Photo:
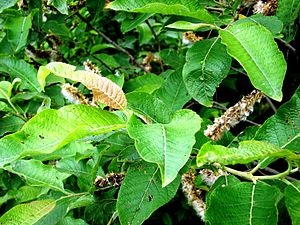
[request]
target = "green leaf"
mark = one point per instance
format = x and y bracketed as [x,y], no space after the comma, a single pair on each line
[52,129]
[149,106]
[141,193]
[129,23]
[168,145]
[18,68]
[29,193]
[243,203]
[186,8]
[18,30]
[283,128]
[173,91]
[292,201]
[59,212]
[38,174]
[4,90]
[146,83]
[60,5]
[145,34]
[7,4]
[10,124]
[11,148]
[71,221]
[185,25]
[207,64]
[272,23]
[253,47]
[287,12]
[27,214]
[245,153]
[172,58]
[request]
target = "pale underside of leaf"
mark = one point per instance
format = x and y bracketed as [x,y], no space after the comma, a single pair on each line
[104,90]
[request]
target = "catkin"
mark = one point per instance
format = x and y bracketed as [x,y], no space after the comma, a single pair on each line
[240,111]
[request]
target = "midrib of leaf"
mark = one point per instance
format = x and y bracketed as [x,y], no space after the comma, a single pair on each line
[255,63]
[176,94]
[252,204]
[24,77]
[290,141]
[165,150]
[146,190]
[40,181]
[21,32]
[204,62]
[296,188]
[4,94]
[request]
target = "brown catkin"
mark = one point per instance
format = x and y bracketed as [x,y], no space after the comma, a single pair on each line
[73,95]
[192,194]
[240,111]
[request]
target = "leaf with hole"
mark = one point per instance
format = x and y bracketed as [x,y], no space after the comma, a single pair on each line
[141,193]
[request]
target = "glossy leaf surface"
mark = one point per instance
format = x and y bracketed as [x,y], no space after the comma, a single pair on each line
[253,47]
[168,145]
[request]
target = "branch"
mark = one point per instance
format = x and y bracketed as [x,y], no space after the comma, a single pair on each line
[111,41]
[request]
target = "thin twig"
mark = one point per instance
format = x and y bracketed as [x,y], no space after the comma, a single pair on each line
[271,104]
[154,35]
[288,45]
[156,40]
[104,64]
[238,70]
[111,42]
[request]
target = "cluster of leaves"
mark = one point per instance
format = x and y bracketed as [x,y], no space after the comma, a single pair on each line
[150,106]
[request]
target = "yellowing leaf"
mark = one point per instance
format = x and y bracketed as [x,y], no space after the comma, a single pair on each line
[104,90]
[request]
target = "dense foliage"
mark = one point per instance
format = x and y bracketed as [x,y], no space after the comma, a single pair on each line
[154,112]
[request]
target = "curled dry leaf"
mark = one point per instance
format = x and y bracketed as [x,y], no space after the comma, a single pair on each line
[104,90]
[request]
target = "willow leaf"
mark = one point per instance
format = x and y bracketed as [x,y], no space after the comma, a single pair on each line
[253,46]
[104,90]
[207,64]
[292,201]
[27,214]
[168,145]
[283,128]
[194,9]
[52,129]
[141,193]
[38,174]
[7,4]
[245,153]
[243,203]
